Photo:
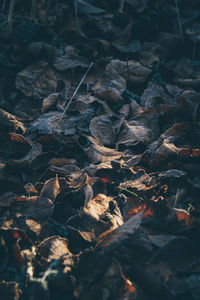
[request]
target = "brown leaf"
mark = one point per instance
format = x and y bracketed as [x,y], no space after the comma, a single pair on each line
[121,233]
[10,122]
[51,189]
[36,207]
[136,73]
[10,290]
[53,248]
[133,135]
[97,153]
[70,60]
[165,152]
[35,151]
[104,129]
[49,102]
[20,138]
[179,253]
[95,219]
[30,188]
[37,80]
[110,86]
[7,199]
[61,161]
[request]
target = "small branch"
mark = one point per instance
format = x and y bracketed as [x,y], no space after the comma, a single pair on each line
[179,20]
[4,5]
[10,17]
[33,11]
[74,94]
[121,5]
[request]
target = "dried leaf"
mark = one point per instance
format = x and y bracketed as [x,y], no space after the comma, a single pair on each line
[35,151]
[136,73]
[70,61]
[97,153]
[61,161]
[131,136]
[53,248]
[37,80]
[121,233]
[104,129]
[10,290]
[179,253]
[50,189]
[20,139]
[36,207]
[49,102]
[7,199]
[10,122]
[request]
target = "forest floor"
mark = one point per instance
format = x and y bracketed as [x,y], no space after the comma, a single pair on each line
[100,150]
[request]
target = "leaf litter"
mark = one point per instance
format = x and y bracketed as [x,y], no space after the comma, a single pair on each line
[100,149]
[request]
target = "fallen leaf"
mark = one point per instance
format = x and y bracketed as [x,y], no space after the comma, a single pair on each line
[9,122]
[121,233]
[36,207]
[10,290]
[49,102]
[131,136]
[35,151]
[50,189]
[104,129]
[37,80]
[7,199]
[54,248]
[70,60]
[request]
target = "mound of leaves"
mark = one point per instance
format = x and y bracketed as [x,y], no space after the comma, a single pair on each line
[100,150]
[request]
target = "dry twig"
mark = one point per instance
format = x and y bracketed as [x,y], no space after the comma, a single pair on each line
[179,20]
[75,92]
[10,17]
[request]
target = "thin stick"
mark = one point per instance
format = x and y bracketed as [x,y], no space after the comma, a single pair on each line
[177,196]
[179,20]
[10,16]
[121,5]
[74,94]
[33,11]
[4,5]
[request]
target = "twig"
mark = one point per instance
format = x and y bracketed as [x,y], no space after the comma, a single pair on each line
[127,68]
[75,92]
[33,11]
[76,18]
[121,5]
[47,8]
[10,16]
[179,20]
[4,5]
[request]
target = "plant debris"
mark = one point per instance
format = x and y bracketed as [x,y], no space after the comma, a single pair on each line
[100,150]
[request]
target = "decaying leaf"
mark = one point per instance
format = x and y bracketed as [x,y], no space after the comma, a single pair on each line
[70,60]
[7,199]
[36,207]
[97,153]
[50,189]
[55,248]
[185,252]
[111,86]
[131,136]
[104,129]
[49,102]
[37,80]
[10,290]
[121,233]
[35,151]
[9,122]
